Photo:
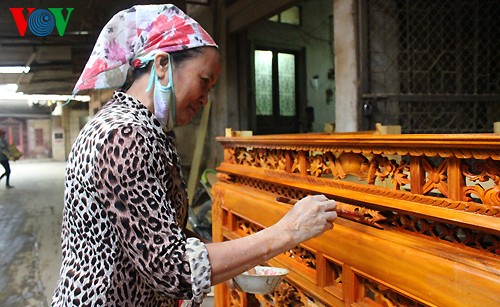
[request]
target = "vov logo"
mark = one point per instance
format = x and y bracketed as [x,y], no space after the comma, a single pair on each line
[41,22]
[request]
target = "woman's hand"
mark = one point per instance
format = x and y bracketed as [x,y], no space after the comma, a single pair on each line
[309,217]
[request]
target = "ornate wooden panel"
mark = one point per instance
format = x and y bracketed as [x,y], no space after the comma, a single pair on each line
[427,227]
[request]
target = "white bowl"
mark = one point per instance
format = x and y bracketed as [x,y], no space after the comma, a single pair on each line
[261,280]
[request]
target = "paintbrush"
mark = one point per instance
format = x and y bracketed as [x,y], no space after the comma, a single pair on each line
[340,211]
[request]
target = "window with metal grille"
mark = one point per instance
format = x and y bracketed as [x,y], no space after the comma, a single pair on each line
[432,66]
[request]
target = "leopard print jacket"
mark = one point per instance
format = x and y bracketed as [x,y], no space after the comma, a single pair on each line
[125,209]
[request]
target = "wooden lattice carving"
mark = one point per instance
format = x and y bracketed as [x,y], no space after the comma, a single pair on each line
[385,296]
[236,298]
[373,149]
[341,164]
[336,274]
[295,162]
[316,165]
[246,228]
[302,256]
[483,171]
[287,295]
[436,177]
[361,214]
[348,164]
[465,237]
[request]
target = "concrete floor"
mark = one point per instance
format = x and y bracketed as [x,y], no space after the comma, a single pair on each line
[30,227]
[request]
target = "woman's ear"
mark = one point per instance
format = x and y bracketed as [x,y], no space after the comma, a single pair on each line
[161,64]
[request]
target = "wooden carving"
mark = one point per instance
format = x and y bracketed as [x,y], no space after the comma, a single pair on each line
[349,164]
[436,177]
[485,171]
[418,222]
[287,295]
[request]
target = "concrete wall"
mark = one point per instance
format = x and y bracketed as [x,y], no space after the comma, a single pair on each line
[318,24]
[58,144]
[66,126]
[77,119]
[346,66]
[99,98]
[44,150]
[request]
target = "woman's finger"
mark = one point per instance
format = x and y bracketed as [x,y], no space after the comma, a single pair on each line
[331,216]
[319,197]
[328,226]
[330,205]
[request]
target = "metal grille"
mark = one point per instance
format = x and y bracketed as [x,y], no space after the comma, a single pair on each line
[448,116]
[422,54]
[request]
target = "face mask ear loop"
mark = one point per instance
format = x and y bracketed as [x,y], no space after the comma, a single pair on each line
[151,78]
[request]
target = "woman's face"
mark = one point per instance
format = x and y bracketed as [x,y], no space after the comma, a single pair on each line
[193,79]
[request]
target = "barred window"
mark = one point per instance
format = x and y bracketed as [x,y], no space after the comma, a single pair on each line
[433,64]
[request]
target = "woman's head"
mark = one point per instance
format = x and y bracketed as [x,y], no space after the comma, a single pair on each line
[178,57]
[150,33]
[194,72]
[134,34]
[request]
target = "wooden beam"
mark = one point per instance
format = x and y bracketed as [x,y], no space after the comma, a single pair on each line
[194,173]
[244,13]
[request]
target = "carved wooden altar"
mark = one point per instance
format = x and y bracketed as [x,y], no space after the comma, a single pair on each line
[427,232]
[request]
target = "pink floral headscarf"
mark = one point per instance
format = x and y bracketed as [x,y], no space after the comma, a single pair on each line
[134,33]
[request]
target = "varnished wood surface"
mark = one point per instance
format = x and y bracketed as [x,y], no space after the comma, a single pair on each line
[430,235]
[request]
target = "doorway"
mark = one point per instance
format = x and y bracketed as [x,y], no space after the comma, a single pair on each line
[277,90]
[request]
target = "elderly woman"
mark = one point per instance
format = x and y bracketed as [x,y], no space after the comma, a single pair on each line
[125,199]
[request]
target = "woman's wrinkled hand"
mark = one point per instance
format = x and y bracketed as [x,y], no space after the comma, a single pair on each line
[309,217]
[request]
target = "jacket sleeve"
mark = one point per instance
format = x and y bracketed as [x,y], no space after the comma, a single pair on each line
[128,169]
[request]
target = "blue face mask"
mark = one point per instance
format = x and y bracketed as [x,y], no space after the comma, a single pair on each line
[164,97]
